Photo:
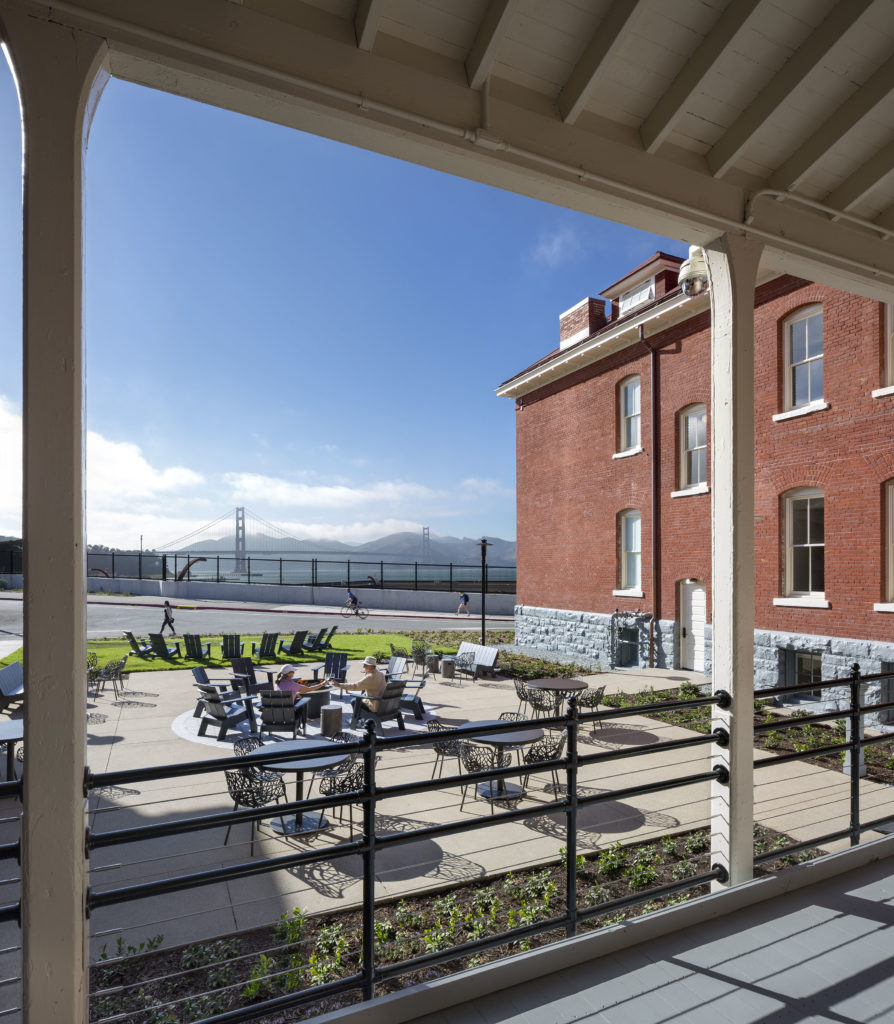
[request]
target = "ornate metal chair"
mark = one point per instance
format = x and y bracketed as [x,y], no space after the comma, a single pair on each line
[589,700]
[246,745]
[550,748]
[521,691]
[476,758]
[543,702]
[346,778]
[464,665]
[443,748]
[252,787]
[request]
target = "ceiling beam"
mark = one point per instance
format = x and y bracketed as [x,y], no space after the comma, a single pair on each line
[582,81]
[491,33]
[811,151]
[731,144]
[665,114]
[366,22]
[867,177]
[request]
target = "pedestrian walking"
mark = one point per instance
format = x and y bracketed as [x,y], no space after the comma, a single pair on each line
[463,605]
[169,620]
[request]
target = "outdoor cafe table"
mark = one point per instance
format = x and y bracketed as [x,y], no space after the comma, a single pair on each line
[503,740]
[11,730]
[557,686]
[301,824]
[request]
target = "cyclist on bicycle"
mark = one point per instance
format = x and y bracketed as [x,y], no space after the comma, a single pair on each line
[352,601]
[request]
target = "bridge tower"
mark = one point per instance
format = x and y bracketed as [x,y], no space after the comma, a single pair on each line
[240,539]
[426,545]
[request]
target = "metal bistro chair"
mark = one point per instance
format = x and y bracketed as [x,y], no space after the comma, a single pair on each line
[246,745]
[589,700]
[196,648]
[476,758]
[521,691]
[253,787]
[419,654]
[550,748]
[348,779]
[543,702]
[266,649]
[280,712]
[443,748]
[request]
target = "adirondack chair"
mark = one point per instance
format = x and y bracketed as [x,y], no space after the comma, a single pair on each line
[314,642]
[161,649]
[12,684]
[231,646]
[219,684]
[335,666]
[296,645]
[397,665]
[196,649]
[245,678]
[280,711]
[266,649]
[137,646]
[223,712]
[411,699]
[327,643]
[384,708]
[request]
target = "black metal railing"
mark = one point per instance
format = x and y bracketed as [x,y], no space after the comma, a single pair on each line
[371,843]
[10,562]
[308,572]
[853,712]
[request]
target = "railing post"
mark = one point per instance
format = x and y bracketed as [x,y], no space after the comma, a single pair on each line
[415,575]
[113,566]
[218,568]
[451,577]
[313,572]
[369,862]
[349,572]
[382,575]
[164,567]
[140,564]
[855,752]
[572,726]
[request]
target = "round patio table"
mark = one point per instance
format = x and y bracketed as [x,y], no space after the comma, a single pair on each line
[557,686]
[302,824]
[509,740]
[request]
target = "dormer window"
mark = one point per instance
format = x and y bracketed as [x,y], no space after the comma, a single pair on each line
[638,296]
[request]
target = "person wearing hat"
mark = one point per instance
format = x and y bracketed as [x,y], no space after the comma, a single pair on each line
[286,680]
[373,682]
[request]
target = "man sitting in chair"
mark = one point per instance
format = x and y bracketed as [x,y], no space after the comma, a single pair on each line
[373,682]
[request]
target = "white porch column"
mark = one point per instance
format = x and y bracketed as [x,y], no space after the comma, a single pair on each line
[56,69]
[732,262]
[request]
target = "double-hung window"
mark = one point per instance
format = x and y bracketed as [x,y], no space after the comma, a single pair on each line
[631,555]
[694,448]
[805,544]
[629,403]
[803,386]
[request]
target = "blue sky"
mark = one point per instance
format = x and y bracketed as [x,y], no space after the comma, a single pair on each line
[283,322]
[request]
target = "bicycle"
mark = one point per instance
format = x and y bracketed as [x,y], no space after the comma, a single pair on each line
[349,609]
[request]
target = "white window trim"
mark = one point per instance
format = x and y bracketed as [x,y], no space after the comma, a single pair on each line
[798,598]
[628,593]
[626,454]
[806,601]
[802,410]
[884,606]
[889,350]
[636,296]
[622,523]
[622,386]
[802,314]
[689,492]
[682,416]
[889,541]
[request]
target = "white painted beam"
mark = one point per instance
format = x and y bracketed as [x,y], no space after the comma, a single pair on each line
[735,140]
[866,178]
[811,151]
[366,22]
[732,263]
[660,122]
[491,33]
[606,39]
[59,72]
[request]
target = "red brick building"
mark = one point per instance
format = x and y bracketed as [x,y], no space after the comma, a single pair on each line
[613,434]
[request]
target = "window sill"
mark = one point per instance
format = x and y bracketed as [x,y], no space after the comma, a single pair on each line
[689,491]
[628,453]
[883,392]
[627,593]
[807,601]
[885,606]
[802,410]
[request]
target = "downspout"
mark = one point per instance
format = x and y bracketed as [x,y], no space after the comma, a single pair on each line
[656,493]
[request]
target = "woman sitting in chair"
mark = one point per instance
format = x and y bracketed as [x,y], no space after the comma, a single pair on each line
[286,680]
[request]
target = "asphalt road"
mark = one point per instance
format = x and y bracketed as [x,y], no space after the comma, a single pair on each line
[108,617]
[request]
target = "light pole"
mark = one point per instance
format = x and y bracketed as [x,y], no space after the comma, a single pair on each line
[485,544]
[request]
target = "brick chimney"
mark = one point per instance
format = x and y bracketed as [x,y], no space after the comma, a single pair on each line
[581,321]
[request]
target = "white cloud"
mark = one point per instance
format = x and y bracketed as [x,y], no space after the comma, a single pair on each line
[476,487]
[350,533]
[554,248]
[278,492]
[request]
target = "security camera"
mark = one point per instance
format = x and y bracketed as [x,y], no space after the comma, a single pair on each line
[693,276]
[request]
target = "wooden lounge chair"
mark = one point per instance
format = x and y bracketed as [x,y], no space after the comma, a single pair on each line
[314,641]
[383,708]
[244,676]
[280,711]
[411,699]
[161,649]
[223,713]
[196,649]
[327,643]
[222,685]
[231,646]
[296,646]
[265,650]
[12,684]
[137,646]
[335,666]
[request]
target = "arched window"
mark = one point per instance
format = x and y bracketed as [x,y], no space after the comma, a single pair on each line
[803,359]
[694,448]
[631,555]
[629,412]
